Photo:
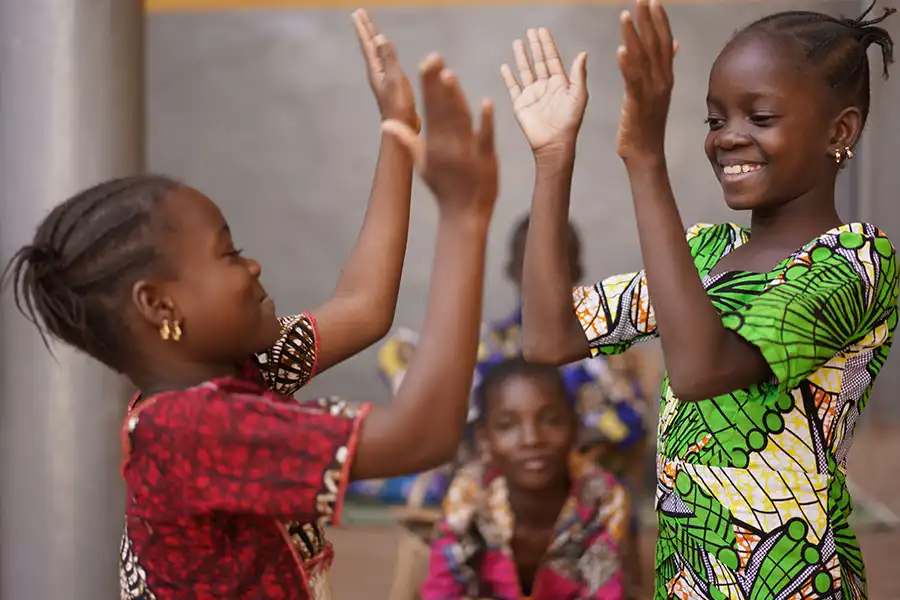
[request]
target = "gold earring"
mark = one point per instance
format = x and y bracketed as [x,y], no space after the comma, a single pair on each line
[848,152]
[176,331]
[164,331]
[837,156]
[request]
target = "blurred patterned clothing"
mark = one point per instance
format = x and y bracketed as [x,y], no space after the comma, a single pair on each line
[471,555]
[608,398]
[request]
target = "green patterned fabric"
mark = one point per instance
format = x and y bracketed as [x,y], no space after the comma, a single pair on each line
[752,496]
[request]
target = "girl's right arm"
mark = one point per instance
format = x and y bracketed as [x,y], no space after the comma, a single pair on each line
[422,427]
[549,106]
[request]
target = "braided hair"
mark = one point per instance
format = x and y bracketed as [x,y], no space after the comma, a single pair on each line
[86,254]
[836,46]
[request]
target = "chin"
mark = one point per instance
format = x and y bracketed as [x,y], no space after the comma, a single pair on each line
[742,202]
[269,333]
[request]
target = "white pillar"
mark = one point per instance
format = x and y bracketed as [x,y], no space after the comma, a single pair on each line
[71,114]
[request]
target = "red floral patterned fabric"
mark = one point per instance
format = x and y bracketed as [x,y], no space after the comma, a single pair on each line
[229,484]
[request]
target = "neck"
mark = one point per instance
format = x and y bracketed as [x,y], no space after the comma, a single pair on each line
[161,377]
[539,508]
[796,222]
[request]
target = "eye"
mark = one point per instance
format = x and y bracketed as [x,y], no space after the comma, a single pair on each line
[236,253]
[713,122]
[762,119]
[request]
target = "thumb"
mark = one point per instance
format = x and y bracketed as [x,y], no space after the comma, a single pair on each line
[404,134]
[578,71]
[486,131]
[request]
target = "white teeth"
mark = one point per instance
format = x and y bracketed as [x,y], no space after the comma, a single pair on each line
[738,169]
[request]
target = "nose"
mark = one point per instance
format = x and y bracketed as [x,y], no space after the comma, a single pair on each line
[530,435]
[254,267]
[731,136]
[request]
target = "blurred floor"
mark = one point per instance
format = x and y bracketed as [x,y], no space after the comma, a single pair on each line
[366,553]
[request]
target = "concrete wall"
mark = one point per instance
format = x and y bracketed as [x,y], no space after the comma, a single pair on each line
[270,114]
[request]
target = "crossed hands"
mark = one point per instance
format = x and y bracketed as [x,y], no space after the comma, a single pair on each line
[458,161]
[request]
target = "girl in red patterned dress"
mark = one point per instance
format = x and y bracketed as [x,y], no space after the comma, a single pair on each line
[230,480]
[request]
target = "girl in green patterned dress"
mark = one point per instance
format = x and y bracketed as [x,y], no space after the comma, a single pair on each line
[772,335]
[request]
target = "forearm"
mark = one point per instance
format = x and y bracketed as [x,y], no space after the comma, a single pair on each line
[691,332]
[371,276]
[551,333]
[422,427]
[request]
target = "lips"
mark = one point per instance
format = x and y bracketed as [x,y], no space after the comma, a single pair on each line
[535,464]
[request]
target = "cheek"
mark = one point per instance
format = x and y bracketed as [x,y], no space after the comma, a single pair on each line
[215,293]
[502,445]
[709,147]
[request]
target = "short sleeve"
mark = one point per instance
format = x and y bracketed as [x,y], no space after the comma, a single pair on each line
[206,450]
[291,362]
[617,313]
[837,291]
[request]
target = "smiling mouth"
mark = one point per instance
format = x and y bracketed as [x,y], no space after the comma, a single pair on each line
[735,170]
[535,464]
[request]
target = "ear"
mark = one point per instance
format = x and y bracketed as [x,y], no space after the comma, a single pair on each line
[153,304]
[846,129]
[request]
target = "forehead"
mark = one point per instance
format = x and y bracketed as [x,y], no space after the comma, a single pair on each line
[761,65]
[189,213]
[523,393]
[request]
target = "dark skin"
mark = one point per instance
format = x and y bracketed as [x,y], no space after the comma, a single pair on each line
[216,296]
[764,109]
[528,431]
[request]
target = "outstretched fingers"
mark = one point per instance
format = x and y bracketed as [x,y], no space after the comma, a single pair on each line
[509,80]
[550,53]
[365,34]
[526,75]
[632,57]
[667,45]
[537,54]
[648,36]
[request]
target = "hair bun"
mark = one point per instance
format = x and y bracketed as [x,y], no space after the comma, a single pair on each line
[44,259]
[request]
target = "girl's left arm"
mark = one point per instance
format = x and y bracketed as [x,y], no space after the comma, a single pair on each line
[703,358]
[361,310]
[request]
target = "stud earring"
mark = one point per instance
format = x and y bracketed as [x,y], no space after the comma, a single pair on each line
[849,152]
[837,156]
[176,331]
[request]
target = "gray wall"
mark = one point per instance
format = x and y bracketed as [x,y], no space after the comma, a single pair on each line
[270,114]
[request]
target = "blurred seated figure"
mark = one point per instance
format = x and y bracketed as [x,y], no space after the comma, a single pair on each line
[528,517]
[610,393]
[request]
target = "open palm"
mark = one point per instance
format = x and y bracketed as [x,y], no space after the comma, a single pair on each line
[548,103]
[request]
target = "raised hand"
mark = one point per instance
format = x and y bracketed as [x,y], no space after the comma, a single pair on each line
[389,84]
[548,104]
[456,161]
[646,64]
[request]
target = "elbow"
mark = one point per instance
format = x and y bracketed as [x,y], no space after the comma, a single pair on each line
[376,321]
[439,454]
[540,353]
